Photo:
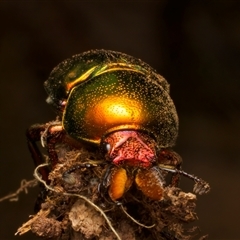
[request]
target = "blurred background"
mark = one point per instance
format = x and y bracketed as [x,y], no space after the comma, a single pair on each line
[195,45]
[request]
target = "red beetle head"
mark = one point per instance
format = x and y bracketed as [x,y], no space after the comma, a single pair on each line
[130,147]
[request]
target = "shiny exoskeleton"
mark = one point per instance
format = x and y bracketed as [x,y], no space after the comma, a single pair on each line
[121,105]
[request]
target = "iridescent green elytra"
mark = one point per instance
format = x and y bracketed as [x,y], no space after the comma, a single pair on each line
[100,91]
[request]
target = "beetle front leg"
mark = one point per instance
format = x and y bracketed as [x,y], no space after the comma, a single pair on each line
[33,135]
[66,174]
[171,159]
[200,187]
[49,134]
[53,134]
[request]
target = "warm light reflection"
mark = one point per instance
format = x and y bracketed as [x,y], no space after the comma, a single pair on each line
[115,110]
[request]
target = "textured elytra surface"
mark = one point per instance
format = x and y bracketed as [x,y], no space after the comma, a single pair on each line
[106,90]
[78,64]
[120,100]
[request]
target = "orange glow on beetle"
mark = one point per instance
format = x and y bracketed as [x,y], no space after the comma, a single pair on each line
[121,105]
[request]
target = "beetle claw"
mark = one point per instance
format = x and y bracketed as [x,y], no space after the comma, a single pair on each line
[201,187]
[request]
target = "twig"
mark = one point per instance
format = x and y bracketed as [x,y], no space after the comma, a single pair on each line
[134,220]
[23,187]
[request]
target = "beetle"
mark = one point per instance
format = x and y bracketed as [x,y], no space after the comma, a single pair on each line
[122,106]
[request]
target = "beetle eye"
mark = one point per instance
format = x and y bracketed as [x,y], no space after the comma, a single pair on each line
[106,147]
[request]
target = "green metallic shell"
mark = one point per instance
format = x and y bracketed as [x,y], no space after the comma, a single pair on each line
[107,91]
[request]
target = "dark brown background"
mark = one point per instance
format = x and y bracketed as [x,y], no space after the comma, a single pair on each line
[196,46]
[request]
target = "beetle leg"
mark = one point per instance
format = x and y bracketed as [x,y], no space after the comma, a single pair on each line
[54,135]
[76,167]
[150,182]
[200,186]
[33,135]
[51,133]
[171,159]
[102,187]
